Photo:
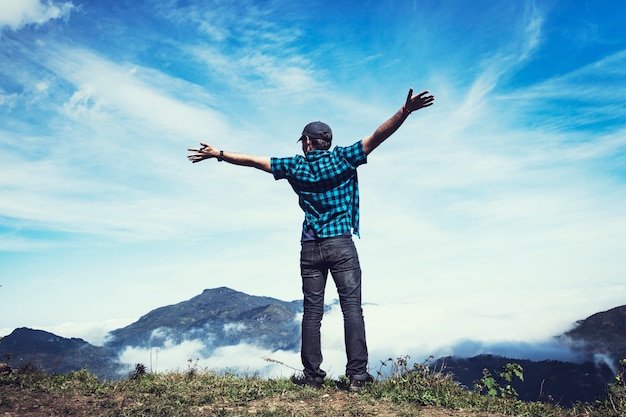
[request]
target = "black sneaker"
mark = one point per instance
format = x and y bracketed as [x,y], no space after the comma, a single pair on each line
[312,382]
[357,385]
[315,383]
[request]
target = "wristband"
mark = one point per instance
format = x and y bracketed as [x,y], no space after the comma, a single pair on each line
[220,158]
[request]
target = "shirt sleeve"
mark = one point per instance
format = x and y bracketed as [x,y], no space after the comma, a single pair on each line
[354,154]
[281,167]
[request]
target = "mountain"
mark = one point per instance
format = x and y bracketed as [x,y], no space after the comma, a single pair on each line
[51,353]
[602,333]
[601,340]
[217,317]
[556,382]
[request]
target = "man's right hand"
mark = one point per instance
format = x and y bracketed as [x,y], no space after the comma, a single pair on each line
[205,151]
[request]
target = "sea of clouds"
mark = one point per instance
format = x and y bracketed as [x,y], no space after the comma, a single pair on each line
[394,331]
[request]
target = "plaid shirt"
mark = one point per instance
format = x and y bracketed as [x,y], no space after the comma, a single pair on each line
[327,185]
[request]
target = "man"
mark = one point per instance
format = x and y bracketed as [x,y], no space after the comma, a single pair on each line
[327,186]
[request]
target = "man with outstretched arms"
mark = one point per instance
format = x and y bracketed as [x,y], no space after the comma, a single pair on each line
[327,186]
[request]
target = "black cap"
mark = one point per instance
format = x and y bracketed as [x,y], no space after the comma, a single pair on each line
[317,130]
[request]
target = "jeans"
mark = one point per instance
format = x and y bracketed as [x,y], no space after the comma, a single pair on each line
[339,256]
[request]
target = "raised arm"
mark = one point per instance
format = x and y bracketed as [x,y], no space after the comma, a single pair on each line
[421,100]
[206,151]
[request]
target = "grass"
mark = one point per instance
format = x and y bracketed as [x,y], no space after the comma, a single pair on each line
[418,391]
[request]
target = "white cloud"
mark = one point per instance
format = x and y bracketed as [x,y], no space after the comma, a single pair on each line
[241,359]
[18,13]
[249,359]
[169,358]
[8,100]
[119,122]
[135,95]
[233,328]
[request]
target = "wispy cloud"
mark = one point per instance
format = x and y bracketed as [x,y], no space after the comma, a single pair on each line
[16,14]
[588,96]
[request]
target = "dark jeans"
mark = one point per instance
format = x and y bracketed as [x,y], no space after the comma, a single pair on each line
[339,256]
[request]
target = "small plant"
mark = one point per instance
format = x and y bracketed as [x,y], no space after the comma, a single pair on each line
[192,368]
[140,372]
[502,386]
[270,360]
[420,384]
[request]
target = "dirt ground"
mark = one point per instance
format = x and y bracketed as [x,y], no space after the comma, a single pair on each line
[342,403]
[16,402]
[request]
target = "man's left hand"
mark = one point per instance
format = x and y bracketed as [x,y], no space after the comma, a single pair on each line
[423,99]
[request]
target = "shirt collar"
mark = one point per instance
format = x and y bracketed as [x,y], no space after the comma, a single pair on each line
[316,154]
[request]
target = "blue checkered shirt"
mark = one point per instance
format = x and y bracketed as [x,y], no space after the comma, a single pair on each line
[327,186]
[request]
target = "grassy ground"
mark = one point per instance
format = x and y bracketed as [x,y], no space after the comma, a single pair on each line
[423,392]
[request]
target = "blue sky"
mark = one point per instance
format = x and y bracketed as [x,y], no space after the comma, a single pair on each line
[496,215]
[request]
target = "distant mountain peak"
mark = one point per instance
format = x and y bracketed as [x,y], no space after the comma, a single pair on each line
[211,317]
[600,333]
[39,336]
[52,353]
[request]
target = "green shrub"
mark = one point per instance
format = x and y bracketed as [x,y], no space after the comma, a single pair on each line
[500,387]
